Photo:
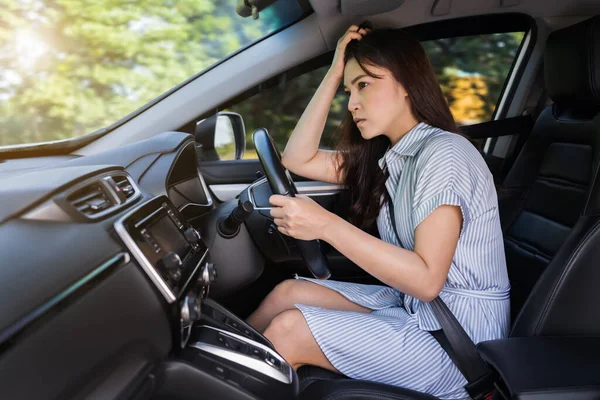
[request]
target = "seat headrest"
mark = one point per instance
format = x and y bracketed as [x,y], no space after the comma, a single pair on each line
[572,66]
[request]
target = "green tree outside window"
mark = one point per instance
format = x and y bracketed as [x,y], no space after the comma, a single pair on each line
[70,67]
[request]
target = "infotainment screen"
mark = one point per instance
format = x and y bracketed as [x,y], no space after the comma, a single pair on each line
[164,231]
[151,232]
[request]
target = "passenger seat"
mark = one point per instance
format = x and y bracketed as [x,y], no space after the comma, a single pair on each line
[546,190]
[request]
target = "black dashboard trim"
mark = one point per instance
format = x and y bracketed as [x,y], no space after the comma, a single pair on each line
[180,151]
[141,259]
[13,330]
[20,193]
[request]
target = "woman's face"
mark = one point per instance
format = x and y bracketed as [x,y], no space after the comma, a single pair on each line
[379,106]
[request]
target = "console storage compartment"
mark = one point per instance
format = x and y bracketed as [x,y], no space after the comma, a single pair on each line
[546,367]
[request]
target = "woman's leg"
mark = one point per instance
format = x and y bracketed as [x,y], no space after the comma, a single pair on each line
[296,291]
[303,349]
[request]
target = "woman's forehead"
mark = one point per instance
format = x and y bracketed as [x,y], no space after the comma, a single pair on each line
[352,70]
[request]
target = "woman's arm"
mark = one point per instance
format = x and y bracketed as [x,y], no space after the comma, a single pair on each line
[302,155]
[420,273]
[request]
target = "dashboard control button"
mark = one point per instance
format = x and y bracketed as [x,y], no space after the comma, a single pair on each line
[225,341]
[184,313]
[209,274]
[221,372]
[176,275]
[192,236]
[256,352]
[272,361]
[171,261]
[221,339]
[175,219]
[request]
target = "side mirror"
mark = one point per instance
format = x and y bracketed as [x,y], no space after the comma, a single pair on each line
[221,137]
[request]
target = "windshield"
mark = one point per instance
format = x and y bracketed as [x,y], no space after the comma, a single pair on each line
[71,67]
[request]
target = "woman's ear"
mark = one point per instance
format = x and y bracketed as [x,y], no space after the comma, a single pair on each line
[402,90]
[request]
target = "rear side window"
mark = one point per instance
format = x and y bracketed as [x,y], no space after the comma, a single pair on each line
[472,71]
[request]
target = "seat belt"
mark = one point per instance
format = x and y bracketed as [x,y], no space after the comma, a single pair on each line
[459,346]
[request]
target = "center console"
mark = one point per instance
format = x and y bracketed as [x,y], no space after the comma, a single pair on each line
[220,355]
[231,351]
[172,254]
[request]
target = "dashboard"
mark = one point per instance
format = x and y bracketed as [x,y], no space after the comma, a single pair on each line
[105,261]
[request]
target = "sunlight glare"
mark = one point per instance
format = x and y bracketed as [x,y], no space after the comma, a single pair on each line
[29,47]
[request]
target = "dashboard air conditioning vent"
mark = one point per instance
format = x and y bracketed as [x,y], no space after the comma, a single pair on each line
[125,186]
[91,200]
[100,196]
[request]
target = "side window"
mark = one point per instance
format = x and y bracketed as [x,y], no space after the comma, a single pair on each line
[471,70]
[279,108]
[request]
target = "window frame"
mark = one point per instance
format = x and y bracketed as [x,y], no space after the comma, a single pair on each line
[444,29]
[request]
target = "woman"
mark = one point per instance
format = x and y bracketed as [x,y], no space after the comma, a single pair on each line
[398,150]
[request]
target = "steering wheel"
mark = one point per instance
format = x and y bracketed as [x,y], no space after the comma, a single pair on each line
[281,183]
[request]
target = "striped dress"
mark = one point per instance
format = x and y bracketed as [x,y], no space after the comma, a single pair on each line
[427,168]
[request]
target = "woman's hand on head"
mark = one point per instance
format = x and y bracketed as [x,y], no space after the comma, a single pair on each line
[300,217]
[337,66]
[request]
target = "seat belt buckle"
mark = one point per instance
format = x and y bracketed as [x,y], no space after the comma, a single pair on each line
[483,387]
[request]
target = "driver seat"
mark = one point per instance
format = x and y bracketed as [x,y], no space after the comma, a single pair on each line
[561,298]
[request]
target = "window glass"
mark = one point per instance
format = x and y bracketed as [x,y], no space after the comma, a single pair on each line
[278,109]
[70,67]
[471,71]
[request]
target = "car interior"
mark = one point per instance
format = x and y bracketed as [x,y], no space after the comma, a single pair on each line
[130,257]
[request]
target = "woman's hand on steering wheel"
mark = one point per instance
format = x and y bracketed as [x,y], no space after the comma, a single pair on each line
[281,183]
[300,217]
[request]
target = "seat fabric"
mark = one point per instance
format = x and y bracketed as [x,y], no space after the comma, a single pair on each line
[350,389]
[547,189]
[550,210]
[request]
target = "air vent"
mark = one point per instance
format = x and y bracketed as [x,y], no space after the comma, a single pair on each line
[91,200]
[102,195]
[124,186]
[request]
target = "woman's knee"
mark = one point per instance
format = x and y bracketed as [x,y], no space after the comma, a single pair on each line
[283,295]
[284,326]
[302,349]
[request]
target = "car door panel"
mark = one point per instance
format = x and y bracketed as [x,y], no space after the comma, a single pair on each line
[230,171]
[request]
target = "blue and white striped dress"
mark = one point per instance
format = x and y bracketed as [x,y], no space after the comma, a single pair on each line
[427,168]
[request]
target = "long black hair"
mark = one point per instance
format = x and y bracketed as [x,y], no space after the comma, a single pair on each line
[401,54]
